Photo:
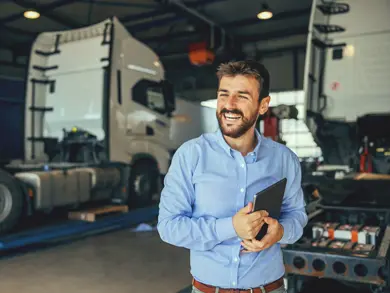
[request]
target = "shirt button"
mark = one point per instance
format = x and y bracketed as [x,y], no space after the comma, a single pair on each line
[242,165]
[234,283]
[235,259]
[242,189]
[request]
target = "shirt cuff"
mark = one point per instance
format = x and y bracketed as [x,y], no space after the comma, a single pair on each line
[287,230]
[225,229]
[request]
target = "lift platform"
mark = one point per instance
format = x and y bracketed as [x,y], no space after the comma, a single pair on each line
[74,229]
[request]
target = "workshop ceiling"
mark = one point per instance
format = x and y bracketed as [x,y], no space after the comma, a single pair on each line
[165,26]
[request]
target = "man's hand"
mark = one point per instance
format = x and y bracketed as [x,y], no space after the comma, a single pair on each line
[248,224]
[274,234]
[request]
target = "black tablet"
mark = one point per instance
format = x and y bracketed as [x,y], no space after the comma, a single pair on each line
[270,200]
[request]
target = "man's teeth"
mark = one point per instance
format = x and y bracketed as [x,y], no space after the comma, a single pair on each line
[232,116]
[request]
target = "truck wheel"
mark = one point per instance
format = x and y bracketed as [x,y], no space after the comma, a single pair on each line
[11,202]
[144,182]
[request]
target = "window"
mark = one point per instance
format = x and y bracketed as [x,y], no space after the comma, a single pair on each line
[157,96]
[295,132]
[155,99]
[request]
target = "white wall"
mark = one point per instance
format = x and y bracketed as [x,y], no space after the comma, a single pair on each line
[198,120]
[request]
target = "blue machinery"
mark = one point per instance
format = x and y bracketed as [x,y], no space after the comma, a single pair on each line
[75,229]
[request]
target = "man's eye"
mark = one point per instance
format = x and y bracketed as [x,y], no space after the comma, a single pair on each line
[243,97]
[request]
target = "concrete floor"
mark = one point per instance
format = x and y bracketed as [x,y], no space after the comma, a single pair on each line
[117,262]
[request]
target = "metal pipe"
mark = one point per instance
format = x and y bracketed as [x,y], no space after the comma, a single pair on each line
[192,11]
[195,13]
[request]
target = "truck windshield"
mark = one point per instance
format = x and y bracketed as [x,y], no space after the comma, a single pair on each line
[157,96]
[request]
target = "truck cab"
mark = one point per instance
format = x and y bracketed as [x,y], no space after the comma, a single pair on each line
[101,80]
[347,68]
[97,119]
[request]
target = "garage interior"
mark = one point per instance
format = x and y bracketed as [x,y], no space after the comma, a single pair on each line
[80,179]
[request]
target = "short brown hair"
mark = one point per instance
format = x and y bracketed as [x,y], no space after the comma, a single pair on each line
[248,68]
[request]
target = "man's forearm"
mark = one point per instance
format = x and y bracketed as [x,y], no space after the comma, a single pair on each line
[195,233]
[293,224]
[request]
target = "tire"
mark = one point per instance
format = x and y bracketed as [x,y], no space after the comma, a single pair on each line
[11,202]
[143,183]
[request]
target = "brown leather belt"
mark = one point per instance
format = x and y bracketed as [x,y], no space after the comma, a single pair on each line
[263,289]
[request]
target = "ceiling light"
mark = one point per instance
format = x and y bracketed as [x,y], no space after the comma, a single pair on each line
[265,13]
[31,14]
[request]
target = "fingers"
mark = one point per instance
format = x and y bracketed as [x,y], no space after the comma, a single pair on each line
[270,221]
[257,225]
[254,228]
[258,215]
[254,224]
[247,209]
[252,232]
[249,246]
[253,245]
[266,242]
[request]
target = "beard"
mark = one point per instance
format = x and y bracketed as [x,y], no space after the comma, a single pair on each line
[239,126]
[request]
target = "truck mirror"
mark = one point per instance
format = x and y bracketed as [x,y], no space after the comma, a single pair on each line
[169,95]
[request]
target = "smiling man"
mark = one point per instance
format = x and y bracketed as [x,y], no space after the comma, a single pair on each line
[206,203]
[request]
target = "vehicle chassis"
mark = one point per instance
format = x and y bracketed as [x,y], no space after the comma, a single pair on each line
[301,261]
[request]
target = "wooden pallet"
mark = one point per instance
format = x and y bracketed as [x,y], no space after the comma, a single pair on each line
[91,214]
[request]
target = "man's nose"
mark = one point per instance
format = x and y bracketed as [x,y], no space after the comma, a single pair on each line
[231,101]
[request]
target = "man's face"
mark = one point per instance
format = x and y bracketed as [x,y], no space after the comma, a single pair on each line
[238,105]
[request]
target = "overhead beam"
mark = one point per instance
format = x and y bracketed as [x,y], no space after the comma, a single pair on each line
[12,64]
[214,27]
[121,3]
[279,16]
[242,39]
[135,28]
[164,9]
[227,25]
[275,34]
[43,9]
[48,13]
[17,31]
[250,38]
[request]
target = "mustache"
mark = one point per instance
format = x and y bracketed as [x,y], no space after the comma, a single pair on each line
[232,111]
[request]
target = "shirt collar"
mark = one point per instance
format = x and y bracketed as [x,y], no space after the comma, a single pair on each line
[229,150]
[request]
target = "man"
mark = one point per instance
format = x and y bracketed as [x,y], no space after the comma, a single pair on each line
[206,203]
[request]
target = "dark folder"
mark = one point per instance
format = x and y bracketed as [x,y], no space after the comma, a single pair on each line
[270,200]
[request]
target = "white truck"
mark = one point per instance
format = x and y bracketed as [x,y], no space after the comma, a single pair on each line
[347,89]
[97,124]
[347,72]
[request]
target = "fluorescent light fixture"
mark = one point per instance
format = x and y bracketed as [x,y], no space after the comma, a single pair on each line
[265,13]
[31,14]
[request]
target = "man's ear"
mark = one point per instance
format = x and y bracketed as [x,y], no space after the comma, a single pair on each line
[264,105]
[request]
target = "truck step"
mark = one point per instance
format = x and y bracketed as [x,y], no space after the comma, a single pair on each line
[329,28]
[90,215]
[333,8]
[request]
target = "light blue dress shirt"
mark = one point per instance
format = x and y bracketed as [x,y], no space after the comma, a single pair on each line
[207,183]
